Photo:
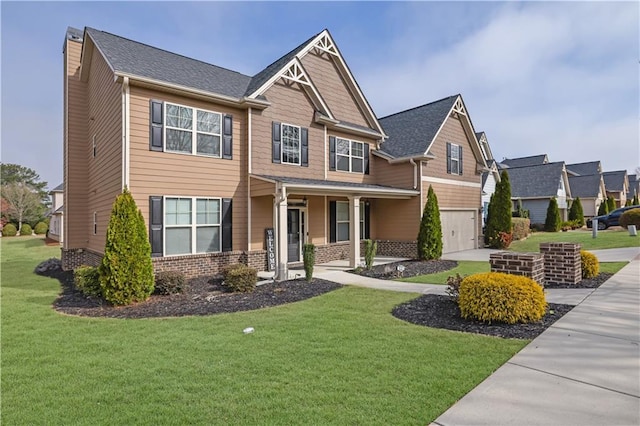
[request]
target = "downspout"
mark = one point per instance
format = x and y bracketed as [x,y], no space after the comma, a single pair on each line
[249,180]
[325,152]
[125,133]
[415,173]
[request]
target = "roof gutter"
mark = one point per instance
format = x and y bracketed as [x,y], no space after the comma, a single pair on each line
[393,160]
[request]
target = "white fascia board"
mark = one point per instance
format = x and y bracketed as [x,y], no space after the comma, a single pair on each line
[451,182]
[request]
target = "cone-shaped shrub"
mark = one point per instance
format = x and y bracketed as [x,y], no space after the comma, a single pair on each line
[553,221]
[576,213]
[430,234]
[126,272]
[635,200]
[611,204]
[499,218]
[603,209]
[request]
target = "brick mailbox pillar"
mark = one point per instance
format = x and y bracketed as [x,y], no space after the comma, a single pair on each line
[527,264]
[562,264]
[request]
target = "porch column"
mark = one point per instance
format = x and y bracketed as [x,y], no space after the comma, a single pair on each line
[281,236]
[354,231]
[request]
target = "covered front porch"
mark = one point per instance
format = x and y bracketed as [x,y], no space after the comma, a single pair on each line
[286,213]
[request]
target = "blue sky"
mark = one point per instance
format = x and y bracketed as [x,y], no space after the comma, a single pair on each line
[538,77]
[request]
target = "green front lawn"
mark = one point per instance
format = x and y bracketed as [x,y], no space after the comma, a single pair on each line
[464,268]
[334,359]
[614,238]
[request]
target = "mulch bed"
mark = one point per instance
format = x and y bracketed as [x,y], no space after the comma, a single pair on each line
[408,268]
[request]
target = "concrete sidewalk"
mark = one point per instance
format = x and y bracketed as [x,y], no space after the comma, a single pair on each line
[583,370]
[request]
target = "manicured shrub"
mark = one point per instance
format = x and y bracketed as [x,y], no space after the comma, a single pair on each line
[126,272]
[630,217]
[494,296]
[87,280]
[430,234]
[590,264]
[552,222]
[241,278]
[9,230]
[629,203]
[576,213]
[499,216]
[26,229]
[453,287]
[169,282]
[520,212]
[635,201]
[309,259]
[602,209]
[40,228]
[521,227]
[370,249]
[611,204]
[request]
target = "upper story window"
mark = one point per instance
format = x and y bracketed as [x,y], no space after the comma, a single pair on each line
[349,155]
[290,144]
[187,130]
[192,131]
[454,159]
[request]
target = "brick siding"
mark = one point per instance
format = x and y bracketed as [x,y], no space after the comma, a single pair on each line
[562,262]
[527,264]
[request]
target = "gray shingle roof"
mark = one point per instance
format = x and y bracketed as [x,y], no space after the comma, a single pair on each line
[588,168]
[325,183]
[534,160]
[587,186]
[539,181]
[412,131]
[59,188]
[139,59]
[614,181]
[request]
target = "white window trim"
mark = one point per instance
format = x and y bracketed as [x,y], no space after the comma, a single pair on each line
[282,144]
[194,132]
[193,225]
[457,159]
[350,156]
[348,222]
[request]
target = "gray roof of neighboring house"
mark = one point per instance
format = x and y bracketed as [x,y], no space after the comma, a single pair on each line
[534,160]
[59,188]
[539,181]
[412,131]
[587,186]
[588,168]
[139,59]
[614,181]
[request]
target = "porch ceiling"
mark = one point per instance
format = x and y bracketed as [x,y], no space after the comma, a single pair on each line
[335,188]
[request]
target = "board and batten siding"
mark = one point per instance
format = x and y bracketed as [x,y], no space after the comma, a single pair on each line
[332,87]
[155,173]
[75,150]
[105,169]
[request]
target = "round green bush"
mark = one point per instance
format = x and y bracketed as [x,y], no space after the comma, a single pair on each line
[590,264]
[26,229]
[41,228]
[494,296]
[9,230]
[630,217]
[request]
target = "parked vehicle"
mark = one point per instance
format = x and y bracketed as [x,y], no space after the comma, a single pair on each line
[611,219]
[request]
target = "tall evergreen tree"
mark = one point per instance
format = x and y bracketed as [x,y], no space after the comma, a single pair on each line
[430,234]
[553,221]
[635,200]
[499,217]
[611,204]
[576,212]
[603,209]
[126,271]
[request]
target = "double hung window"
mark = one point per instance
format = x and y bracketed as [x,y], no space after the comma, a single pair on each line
[290,144]
[349,155]
[342,221]
[192,131]
[192,225]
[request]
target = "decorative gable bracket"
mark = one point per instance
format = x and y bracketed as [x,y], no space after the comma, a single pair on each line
[458,107]
[296,74]
[325,44]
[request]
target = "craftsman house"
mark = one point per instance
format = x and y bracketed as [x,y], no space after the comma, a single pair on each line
[227,167]
[617,185]
[591,191]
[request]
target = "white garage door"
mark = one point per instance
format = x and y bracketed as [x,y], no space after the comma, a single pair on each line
[459,231]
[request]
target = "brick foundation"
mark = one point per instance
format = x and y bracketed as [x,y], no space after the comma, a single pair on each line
[74,258]
[562,263]
[526,264]
[408,249]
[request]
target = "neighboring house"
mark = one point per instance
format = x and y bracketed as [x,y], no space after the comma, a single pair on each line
[617,186]
[56,220]
[585,169]
[536,185]
[436,143]
[221,164]
[534,160]
[591,190]
[490,177]
[634,186]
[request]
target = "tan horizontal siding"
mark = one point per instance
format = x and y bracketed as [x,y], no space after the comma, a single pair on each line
[332,87]
[261,187]
[452,132]
[317,220]
[454,196]
[261,218]
[399,175]
[395,220]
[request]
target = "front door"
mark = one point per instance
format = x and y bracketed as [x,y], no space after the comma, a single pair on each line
[293,235]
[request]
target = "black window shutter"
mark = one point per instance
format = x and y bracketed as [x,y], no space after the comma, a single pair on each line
[367,221]
[366,158]
[332,222]
[460,160]
[155,130]
[227,137]
[332,153]
[448,157]
[304,147]
[276,142]
[155,225]
[227,229]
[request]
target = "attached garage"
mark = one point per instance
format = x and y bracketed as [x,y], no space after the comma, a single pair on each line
[459,230]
